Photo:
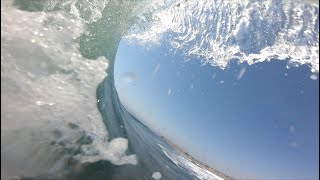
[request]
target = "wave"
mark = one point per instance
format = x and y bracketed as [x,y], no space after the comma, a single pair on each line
[56,52]
[247,31]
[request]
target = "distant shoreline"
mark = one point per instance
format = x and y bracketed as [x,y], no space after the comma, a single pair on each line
[195,161]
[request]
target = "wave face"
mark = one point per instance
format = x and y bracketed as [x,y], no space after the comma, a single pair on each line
[55,53]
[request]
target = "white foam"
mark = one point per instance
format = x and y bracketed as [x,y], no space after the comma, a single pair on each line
[252,32]
[113,152]
[314,76]
[156,175]
[196,170]
[44,89]
[171,157]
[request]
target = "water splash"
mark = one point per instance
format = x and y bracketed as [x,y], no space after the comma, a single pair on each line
[250,31]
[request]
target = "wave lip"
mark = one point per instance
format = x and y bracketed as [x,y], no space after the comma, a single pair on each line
[249,31]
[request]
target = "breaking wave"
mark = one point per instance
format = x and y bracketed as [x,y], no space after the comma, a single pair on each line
[56,52]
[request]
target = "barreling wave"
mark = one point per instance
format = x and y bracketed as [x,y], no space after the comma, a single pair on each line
[56,53]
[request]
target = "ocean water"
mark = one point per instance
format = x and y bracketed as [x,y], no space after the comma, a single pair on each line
[61,117]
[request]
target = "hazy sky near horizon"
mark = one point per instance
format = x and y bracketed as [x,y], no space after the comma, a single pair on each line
[247,120]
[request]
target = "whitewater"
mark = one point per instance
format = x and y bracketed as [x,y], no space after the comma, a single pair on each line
[61,117]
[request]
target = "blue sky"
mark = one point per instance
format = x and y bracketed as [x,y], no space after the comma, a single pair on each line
[247,120]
